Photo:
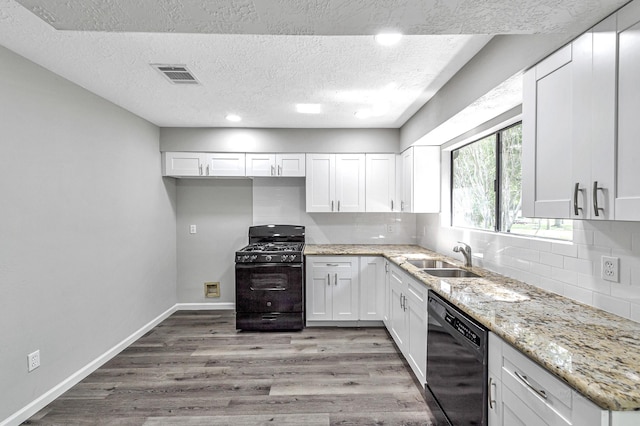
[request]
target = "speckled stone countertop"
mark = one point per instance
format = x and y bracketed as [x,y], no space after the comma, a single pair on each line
[595,352]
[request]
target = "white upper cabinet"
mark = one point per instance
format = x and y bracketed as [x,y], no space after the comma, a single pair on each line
[627,198]
[225,164]
[547,137]
[281,165]
[183,164]
[420,180]
[335,183]
[580,126]
[380,183]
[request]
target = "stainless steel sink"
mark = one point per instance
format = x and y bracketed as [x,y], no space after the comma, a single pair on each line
[430,263]
[450,273]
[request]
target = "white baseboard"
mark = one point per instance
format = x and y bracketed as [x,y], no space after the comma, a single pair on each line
[355,323]
[41,402]
[214,306]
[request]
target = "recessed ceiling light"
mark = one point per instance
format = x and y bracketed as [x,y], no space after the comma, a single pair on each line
[387,39]
[309,108]
[233,117]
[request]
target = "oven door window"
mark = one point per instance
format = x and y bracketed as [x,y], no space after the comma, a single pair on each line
[269,288]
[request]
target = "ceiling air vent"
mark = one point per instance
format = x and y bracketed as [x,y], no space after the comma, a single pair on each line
[177,74]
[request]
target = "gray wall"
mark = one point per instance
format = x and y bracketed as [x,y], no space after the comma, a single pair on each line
[222,212]
[279,140]
[503,57]
[87,229]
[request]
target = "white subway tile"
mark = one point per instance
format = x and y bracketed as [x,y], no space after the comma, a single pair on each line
[593,253]
[552,285]
[592,283]
[612,304]
[569,277]
[630,293]
[582,266]
[635,312]
[541,269]
[564,249]
[552,259]
[582,236]
[619,237]
[523,253]
[579,294]
[540,245]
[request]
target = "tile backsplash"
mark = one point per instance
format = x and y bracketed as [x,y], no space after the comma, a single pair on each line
[283,200]
[572,269]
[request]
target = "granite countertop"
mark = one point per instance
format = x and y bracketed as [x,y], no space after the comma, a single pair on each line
[595,352]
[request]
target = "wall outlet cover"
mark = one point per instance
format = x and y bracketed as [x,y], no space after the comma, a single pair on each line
[611,269]
[33,360]
[212,289]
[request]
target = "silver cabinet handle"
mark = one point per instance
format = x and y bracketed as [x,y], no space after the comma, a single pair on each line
[332,205]
[596,209]
[386,266]
[524,380]
[207,170]
[338,205]
[492,400]
[329,279]
[200,169]
[391,205]
[401,206]
[279,170]
[335,279]
[273,170]
[332,264]
[576,209]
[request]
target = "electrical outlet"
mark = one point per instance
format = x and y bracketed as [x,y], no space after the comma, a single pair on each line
[390,229]
[192,229]
[33,360]
[610,268]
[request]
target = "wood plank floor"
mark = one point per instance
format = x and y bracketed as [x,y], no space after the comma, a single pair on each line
[196,369]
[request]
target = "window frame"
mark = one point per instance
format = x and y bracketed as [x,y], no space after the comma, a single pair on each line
[496,131]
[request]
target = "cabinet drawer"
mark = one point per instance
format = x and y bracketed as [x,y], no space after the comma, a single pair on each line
[549,397]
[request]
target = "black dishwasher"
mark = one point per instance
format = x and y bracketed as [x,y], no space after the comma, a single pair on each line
[456,365]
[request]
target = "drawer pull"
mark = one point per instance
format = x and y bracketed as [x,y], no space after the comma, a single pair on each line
[524,380]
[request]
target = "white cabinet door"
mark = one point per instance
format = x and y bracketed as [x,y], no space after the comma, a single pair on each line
[417,337]
[397,316]
[406,200]
[372,284]
[335,182]
[627,199]
[345,292]
[380,182]
[350,182]
[226,164]
[594,86]
[290,165]
[332,288]
[547,137]
[387,294]
[321,182]
[261,164]
[184,164]
[420,188]
[318,292]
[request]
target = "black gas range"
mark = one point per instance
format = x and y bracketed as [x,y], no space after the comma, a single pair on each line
[270,279]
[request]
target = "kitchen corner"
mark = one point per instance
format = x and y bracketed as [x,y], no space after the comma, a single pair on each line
[595,352]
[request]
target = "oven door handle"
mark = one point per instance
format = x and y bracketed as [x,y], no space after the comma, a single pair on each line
[268,289]
[267,265]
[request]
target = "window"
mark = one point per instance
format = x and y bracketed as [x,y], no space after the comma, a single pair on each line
[486,188]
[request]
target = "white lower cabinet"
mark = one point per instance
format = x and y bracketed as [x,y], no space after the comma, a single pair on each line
[408,319]
[372,281]
[523,393]
[332,288]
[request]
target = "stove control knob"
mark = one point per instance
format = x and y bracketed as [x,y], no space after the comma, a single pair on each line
[245,258]
[292,257]
[283,258]
[268,258]
[254,257]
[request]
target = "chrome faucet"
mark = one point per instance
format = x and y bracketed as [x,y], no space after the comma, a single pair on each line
[465,249]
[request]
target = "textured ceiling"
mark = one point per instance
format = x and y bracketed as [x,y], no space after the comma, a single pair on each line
[259,58]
